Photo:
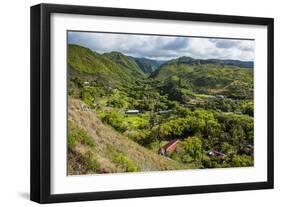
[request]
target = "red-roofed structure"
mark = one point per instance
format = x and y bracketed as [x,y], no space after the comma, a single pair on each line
[171,146]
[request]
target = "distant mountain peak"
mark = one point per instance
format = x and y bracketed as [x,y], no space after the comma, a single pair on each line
[185,58]
[114,53]
[148,65]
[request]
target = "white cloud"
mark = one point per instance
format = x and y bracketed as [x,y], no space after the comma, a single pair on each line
[165,47]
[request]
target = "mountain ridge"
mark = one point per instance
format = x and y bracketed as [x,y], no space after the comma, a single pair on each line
[191,60]
[101,68]
[142,65]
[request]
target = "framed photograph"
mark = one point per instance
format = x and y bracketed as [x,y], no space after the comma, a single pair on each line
[133,103]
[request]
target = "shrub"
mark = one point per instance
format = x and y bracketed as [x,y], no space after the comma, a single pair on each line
[89,162]
[76,134]
[115,120]
[192,149]
[88,95]
[125,163]
[242,161]
[117,103]
[82,162]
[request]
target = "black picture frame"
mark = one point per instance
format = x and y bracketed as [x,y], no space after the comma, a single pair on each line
[41,96]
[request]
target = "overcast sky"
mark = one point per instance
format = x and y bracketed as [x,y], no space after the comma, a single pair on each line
[164,47]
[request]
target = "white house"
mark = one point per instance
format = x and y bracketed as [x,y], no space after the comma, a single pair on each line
[132,112]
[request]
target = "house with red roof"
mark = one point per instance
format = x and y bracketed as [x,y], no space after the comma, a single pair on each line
[170,147]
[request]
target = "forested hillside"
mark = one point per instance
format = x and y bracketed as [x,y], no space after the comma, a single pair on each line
[119,109]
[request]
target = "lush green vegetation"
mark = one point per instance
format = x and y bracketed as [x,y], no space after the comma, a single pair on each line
[101,68]
[185,79]
[206,105]
[125,163]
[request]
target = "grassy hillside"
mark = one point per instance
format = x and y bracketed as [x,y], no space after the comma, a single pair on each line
[100,68]
[126,62]
[96,148]
[212,79]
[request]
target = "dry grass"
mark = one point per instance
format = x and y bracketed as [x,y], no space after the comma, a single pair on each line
[108,145]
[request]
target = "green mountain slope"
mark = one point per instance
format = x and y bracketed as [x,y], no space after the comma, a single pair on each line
[96,148]
[126,62]
[99,68]
[213,79]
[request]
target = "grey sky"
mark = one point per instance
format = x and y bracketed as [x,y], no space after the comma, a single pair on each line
[164,47]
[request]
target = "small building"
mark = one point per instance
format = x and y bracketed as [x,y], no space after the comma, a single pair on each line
[238,112]
[86,84]
[132,111]
[220,96]
[220,155]
[210,153]
[165,111]
[171,146]
[217,154]
[211,96]
[247,149]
